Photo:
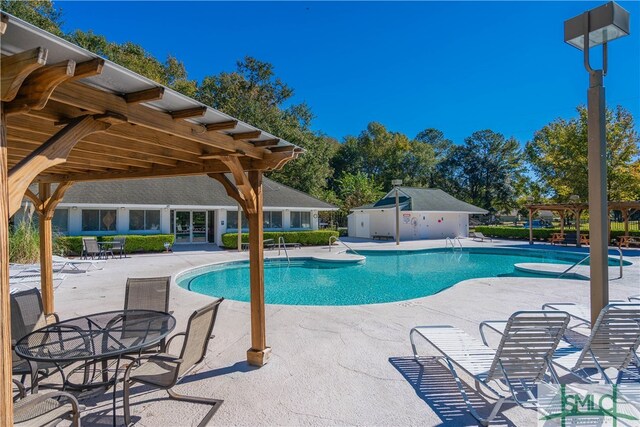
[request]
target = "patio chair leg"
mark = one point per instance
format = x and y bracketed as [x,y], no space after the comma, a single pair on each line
[125,402]
[207,401]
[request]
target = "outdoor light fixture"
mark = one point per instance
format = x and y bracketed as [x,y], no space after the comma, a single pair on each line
[600,25]
[604,23]
[397,183]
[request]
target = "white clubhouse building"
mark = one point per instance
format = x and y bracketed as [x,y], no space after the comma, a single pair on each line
[425,213]
[196,209]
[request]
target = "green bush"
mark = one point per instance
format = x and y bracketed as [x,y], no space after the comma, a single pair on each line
[305,238]
[134,243]
[24,243]
[522,233]
[143,243]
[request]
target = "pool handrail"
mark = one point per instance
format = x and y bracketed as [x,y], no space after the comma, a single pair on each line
[336,240]
[452,239]
[589,256]
[283,244]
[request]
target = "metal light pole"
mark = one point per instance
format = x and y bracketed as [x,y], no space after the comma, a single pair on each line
[592,28]
[397,183]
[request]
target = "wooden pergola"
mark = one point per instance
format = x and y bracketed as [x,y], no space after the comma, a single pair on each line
[562,209]
[67,115]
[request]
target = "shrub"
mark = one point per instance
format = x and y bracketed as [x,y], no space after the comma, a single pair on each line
[522,233]
[143,243]
[24,243]
[305,238]
[135,242]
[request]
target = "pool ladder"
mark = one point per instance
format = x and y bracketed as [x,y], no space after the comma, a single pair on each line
[589,256]
[333,239]
[448,240]
[283,245]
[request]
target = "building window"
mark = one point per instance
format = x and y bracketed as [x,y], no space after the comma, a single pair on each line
[60,221]
[272,219]
[144,220]
[300,219]
[232,220]
[99,219]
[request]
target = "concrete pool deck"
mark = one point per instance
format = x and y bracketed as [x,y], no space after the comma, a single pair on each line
[347,365]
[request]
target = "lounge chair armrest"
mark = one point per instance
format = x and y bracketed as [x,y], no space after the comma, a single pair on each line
[494,325]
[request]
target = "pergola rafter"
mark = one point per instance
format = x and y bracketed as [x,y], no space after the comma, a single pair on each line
[86,119]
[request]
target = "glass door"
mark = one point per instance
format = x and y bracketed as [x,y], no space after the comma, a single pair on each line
[199,224]
[183,227]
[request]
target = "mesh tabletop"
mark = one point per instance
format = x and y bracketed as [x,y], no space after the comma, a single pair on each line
[96,336]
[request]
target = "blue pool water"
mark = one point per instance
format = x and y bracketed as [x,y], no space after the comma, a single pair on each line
[384,277]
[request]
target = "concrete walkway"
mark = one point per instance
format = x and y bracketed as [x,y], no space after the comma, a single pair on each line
[346,365]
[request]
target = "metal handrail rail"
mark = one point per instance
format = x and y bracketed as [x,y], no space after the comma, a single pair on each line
[451,240]
[335,239]
[282,243]
[574,265]
[588,256]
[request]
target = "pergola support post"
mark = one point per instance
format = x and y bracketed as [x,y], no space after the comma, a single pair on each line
[259,353]
[46,252]
[6,386]
[239,228]
[562,213]
[247,192]
[45,204]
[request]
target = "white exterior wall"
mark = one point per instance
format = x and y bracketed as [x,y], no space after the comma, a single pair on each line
[414,225]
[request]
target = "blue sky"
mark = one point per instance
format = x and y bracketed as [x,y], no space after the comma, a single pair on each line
[455,66]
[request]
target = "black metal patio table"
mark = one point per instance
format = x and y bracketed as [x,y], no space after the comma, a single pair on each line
[95,338]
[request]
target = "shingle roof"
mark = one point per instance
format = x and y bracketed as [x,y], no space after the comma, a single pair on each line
[424,199]
[196,190]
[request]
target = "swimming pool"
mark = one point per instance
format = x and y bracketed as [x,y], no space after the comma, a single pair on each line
[386,276]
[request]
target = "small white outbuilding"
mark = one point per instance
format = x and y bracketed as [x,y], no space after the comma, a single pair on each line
[425,213]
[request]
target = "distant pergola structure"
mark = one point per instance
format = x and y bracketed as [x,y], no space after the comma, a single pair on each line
[562,209]
[67,115]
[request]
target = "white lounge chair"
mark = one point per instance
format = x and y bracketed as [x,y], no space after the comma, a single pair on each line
[478,235]
[520,362]
[60,263]
[580,313]
[613,343]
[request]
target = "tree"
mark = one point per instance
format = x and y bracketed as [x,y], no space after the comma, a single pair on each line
[255,95]
[488,168]
[442,148]
[41,13]
[558,156]
[383,156]
[172,73]
[358,189]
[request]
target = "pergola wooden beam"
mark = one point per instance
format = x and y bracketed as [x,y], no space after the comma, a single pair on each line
[37,88]
[53,152]
[188,113]
[267,143]
[227,125]
[89,68]
[97,101]
[16,68]
[147,95]
[240,136]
